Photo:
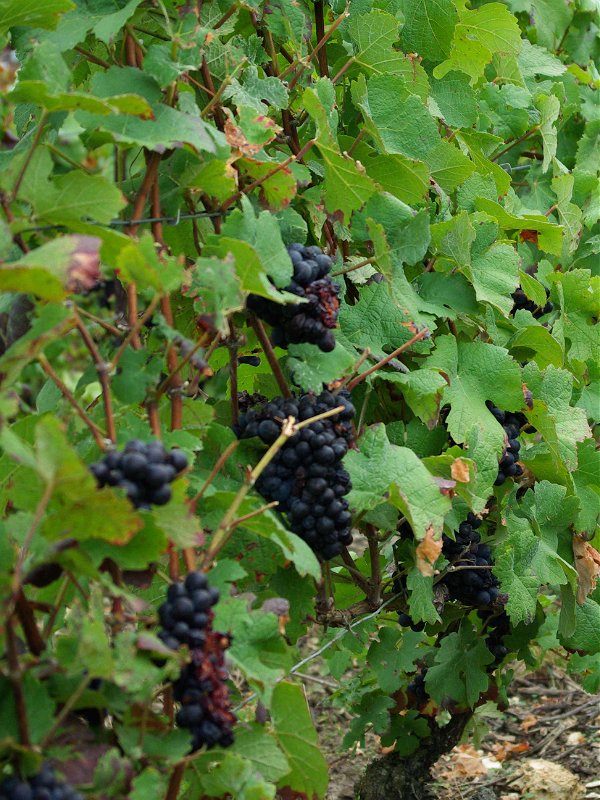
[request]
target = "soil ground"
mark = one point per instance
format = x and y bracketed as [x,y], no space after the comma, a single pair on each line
[550,717]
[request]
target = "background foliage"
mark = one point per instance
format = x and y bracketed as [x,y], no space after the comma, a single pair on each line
[449,147]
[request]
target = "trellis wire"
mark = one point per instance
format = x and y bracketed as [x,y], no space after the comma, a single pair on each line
[125,223]
[325,647]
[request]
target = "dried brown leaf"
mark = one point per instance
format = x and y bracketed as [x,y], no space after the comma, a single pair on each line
[428,551]
[587,564]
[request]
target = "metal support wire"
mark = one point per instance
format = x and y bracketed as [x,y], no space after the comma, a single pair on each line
[124,223]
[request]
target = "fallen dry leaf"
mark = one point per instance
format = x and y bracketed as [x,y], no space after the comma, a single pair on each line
[507,750]
[428,551]
[587,564]
[528,722]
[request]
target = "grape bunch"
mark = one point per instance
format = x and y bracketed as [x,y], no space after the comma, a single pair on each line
[184,615]
[473,587]
[312,319]
[417,693]
[143,469]
[512,424]
[186,619]
[521,301]
[306,476]
[43,786]
[498,627]
[202,691]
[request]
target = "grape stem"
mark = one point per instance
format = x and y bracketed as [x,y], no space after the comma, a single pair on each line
[262,337]
[357,576]
[102,370]
[15,678]
[359,378]
[289,428]
[231,447]
[134,331]
[96,432]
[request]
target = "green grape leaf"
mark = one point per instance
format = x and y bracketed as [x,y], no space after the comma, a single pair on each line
[391,655]
[428,28]
[347,187]
[379,468]
[374,35]
[459,670]
[478,35]
[32,14]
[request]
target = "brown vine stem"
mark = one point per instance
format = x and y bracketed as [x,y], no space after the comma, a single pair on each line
[133,332]
[363,375]
[343,70]
[175,782]
[10,217]
[320,32]
[15,678]
[262,337]
[247,189]
[103,323]
[96,432]
[233,380]
[91,57]
[102,368]
[216,98]
[353,370]
[35,643]
[321,43]
[229,450]
[357,576]
[289,428]
[32,149]
[510,145]
[252,514]
[180,365]
[374,594]
[360,264]
[217,110]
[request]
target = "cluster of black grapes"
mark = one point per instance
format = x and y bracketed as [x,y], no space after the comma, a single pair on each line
[312,319]
[498,627]
[202,691]
[185,613]
[416,691]
[143,469]
[521,301]
[186,619]
[471,586]
[306,476]
[43,786]
[512,424]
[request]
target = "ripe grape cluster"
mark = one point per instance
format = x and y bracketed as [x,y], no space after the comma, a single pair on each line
[498,627]
[43,786]
[312,319]
[521,301]
[202,691]
[473,587]
[143,469]
[512,424]
[306,476]
[186,619]
[185,614]
[417,693]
